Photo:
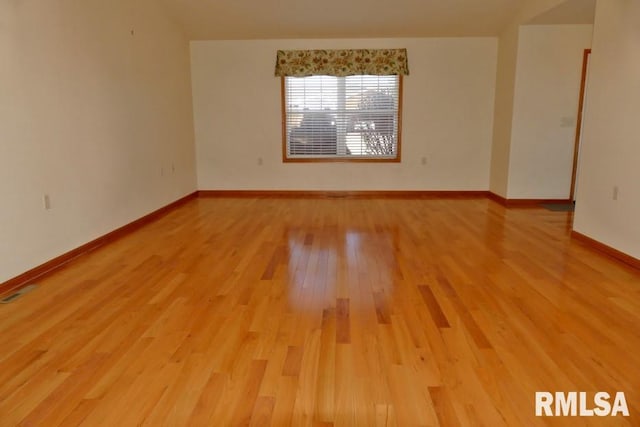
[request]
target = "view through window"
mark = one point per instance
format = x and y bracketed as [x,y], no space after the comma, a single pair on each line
[342,118]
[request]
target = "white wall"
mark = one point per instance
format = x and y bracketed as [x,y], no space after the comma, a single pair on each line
[505,92]
[611,141]
[448,118]
[503,113]
[532,8]
[89,114]
[547,88]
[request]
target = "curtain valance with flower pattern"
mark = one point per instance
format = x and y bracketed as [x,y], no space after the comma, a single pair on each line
[340,63]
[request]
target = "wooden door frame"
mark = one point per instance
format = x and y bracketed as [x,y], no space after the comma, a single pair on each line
[583,87]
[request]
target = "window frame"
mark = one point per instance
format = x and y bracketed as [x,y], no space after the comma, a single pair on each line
[339,159]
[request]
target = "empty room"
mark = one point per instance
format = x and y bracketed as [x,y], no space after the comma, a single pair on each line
[326,213]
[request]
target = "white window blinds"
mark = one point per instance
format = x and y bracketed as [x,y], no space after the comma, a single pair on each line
[353,117]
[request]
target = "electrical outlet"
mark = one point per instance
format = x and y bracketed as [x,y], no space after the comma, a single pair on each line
[46,202]
[616,191]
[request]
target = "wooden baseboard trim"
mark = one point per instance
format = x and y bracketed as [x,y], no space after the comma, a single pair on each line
[321,194]
[497,198]
[522,203]
[606,249]
[50,266]
[54,264]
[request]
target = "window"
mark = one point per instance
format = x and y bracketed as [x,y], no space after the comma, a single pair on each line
[341,105]
[342,118]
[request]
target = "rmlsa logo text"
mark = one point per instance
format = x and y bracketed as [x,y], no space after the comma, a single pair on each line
[578,404]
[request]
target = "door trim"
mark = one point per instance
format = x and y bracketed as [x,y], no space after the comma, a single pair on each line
[583,87]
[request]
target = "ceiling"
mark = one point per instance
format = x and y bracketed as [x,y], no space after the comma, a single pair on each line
[251,19]
[569,12]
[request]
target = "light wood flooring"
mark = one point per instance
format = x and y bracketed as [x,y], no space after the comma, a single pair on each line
[327,312]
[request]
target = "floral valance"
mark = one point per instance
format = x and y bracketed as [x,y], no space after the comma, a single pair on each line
[348,62]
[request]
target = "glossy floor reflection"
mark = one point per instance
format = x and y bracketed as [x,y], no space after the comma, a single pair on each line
[325,312]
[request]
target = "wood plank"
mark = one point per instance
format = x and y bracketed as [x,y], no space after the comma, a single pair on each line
[434,308]
[325,311]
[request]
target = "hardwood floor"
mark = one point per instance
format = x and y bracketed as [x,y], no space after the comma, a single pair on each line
[325,312]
